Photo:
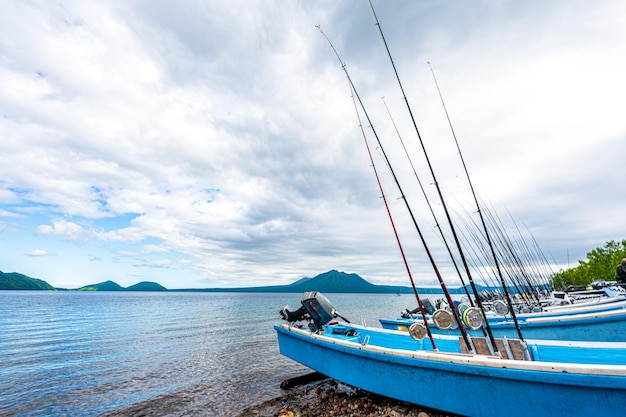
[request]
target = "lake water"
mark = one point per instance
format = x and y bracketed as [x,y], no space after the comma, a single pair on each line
[192,354]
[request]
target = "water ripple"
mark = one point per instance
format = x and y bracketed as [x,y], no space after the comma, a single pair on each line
[88,354]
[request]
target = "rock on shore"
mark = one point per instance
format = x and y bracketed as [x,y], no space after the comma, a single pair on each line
[329,398]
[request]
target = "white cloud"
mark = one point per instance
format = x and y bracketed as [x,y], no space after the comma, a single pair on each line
[161,263]
[68,230]
[37,252]
[222,138]
[6,213]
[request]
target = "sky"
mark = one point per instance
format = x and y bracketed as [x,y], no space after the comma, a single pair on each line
[203,144]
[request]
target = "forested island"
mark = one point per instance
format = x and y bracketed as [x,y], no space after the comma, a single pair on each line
[17,281]
[330,282]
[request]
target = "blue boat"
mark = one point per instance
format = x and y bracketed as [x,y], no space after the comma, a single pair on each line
[601,326]
[466,375]
[601,319]
[531,377]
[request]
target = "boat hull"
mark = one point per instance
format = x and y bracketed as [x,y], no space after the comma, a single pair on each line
[472,385]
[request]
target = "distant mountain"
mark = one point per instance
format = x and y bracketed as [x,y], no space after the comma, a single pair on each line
[146,286]
[301,280]
[15,281]
[330,282]
[113,286]
[340,282]
[103,286]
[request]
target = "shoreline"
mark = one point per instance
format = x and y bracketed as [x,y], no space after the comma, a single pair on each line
[319,398]
[331,398]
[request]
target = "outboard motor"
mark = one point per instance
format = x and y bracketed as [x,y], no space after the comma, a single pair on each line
[428,305]
[315,308]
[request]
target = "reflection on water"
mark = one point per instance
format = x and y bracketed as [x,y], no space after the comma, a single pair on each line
[92,353]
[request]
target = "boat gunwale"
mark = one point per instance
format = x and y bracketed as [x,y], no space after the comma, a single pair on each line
[602,315]
[582,305]
[578,317]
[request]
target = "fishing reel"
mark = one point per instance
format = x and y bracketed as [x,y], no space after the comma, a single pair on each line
[316,309]
[471,317]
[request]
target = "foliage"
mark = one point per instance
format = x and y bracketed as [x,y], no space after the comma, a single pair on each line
[599,266]
[146,286]
[103,286]
[15,281]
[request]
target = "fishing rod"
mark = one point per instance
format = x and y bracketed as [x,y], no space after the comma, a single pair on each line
[443,203]
[534,263]
[493,253]
[535,257]
[474,244]
[512,264]
[546,267]
[466,338]
[524,271]
[393,225]
[507,248]
[524,264]
[509,261]
[382,192]
[472,228]
[437,225]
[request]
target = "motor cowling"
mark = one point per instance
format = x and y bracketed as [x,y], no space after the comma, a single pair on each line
[316,308]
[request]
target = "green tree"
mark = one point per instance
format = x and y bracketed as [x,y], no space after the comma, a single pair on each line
[600,265]
[16,281]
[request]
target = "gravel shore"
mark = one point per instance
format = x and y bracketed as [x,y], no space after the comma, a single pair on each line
[330,398]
